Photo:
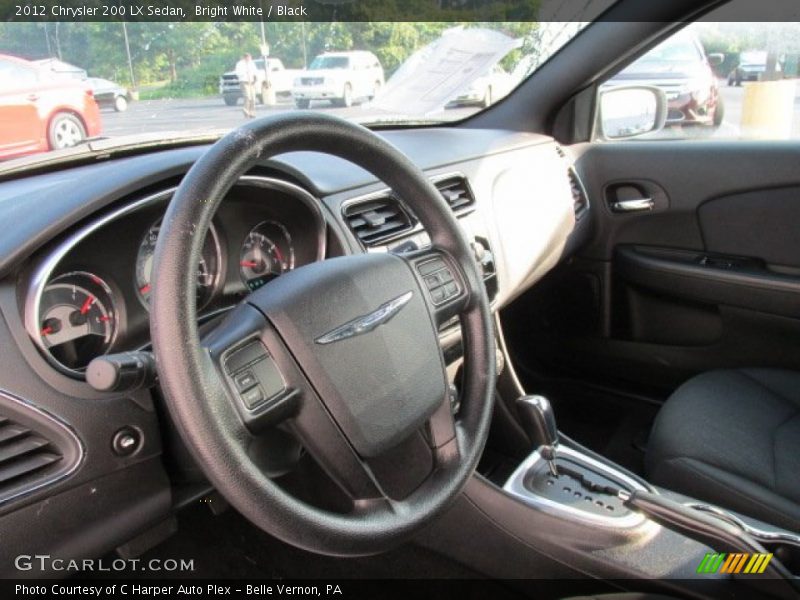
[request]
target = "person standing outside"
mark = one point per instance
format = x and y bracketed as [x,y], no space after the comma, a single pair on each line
[246,73]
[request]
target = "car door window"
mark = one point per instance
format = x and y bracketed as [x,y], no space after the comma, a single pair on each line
[723,80]
[16,76]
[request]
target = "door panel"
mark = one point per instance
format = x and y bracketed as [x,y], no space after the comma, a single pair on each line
[708,277]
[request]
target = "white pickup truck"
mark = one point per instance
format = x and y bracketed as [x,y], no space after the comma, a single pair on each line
[270,73]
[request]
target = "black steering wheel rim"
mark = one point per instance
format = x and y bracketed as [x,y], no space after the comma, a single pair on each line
[192,385]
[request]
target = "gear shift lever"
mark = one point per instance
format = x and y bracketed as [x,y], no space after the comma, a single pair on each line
[540,425]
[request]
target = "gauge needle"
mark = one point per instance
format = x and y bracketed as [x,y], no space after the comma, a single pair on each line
[87,304]
[144,289]
[248,263]
[47,330]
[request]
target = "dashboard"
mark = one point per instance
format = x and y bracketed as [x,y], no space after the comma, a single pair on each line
[76,278]
[90,295]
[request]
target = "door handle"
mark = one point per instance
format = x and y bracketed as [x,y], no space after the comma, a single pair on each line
[635,205]
[33,97]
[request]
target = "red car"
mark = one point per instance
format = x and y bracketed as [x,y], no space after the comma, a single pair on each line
[40,112]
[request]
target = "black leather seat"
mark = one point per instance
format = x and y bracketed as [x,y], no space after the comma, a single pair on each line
[732,438]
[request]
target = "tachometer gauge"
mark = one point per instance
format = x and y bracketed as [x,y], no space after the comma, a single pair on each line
[266,253]
[77,319]
[207,268]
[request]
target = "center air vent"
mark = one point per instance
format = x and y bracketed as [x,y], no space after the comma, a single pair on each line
[456,192]
[375,220]
[579,198]
[35,449]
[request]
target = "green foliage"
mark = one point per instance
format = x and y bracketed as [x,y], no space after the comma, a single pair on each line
[191,56]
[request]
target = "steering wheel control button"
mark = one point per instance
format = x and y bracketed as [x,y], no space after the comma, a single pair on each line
[244,357]
[439,280]
[245,380]
[254,374]
[126,441]
[252,397]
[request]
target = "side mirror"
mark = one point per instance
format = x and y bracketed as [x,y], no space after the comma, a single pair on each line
[631,111]
[716,59]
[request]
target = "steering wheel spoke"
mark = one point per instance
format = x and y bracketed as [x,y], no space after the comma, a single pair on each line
[321,437]
[263,383]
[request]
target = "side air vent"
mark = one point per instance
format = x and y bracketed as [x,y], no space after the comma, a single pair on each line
[375,220]
[35,449]
[24,455]
[579,198]
[457,193]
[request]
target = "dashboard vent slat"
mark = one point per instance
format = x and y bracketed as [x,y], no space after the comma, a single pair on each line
[27,466]
[378,219]
[579,199]
[457,193]
[21,447]
[25,456]
[12,432]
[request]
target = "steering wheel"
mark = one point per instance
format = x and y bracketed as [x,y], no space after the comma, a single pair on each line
[343,353]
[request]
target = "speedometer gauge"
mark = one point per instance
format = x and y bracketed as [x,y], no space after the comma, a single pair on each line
[77,319]
[207,268]
[267,252]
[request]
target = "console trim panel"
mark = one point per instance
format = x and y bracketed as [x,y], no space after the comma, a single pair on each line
[515,486]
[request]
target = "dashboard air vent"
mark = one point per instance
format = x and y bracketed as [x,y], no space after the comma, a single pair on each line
[375,220]
[456,192]
[560,151]
[25,456]
[580,201]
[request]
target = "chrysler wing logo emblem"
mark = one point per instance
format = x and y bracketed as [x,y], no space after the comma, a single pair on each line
[366,323]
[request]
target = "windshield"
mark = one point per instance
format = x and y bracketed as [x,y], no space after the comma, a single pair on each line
[677,49]
[192,78]
[329,62]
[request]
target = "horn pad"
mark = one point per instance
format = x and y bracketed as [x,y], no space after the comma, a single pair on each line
[360,328]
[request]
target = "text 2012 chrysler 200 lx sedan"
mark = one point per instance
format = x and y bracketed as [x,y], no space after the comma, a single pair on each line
[513,343]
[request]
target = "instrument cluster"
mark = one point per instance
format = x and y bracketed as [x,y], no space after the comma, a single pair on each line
[90,294]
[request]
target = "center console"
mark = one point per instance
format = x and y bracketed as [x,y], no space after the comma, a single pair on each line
[582,489]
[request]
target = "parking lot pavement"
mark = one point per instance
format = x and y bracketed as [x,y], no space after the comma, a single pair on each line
[212,113]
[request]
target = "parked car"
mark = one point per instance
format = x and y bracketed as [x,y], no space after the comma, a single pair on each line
[62,70]
[270,71]
[750,67]
[486,89]
[340,77]
[40,112]
[109,94]
[682,69]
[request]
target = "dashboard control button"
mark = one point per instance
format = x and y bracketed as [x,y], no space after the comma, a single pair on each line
[126,441]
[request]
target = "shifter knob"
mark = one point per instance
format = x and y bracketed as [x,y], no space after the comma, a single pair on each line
[540,425]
